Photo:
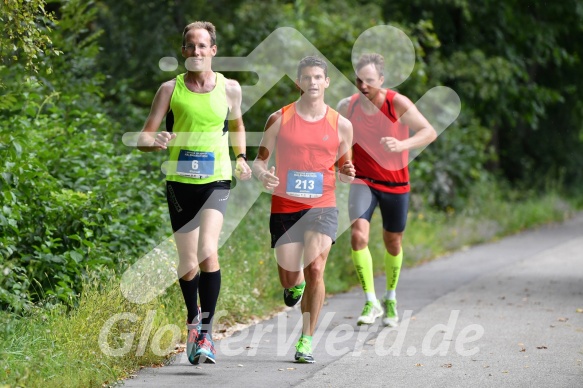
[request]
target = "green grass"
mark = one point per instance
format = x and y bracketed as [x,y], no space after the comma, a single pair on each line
[53,347]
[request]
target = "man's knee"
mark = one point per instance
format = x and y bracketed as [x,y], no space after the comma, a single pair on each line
[315,271]
[190,274]
[208,249]
[290,279]
[393,242]
[358,239]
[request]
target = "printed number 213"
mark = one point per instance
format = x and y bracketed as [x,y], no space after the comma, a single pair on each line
[304,184]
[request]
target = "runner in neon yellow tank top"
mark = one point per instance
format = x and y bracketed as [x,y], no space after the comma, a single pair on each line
[205,106]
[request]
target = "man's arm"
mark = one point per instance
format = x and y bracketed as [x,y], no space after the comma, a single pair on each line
[149,140]
[237,129]
[267,177]
[346,169]
[409,115]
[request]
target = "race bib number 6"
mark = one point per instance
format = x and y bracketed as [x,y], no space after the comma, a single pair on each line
[304,184]
[195,164]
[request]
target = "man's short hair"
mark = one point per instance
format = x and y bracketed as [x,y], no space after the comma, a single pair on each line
[312,61]
[203,26]
[376,60]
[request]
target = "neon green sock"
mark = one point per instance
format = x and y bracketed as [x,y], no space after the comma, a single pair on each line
[393,269]
[363,264]
[307,337]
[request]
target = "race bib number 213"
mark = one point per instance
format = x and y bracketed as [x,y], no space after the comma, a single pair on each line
[304,184]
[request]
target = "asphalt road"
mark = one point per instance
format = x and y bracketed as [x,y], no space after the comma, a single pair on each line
[508,313]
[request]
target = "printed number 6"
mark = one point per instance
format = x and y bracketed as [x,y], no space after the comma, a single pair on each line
[195,164]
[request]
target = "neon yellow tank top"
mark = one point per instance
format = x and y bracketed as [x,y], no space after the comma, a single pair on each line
[200,152]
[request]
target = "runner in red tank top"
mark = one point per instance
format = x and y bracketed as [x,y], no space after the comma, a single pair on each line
[309,139]
[382,120]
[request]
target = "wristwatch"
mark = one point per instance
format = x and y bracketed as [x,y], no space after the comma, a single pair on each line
[242,156]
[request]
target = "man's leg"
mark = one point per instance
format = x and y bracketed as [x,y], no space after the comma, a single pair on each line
[185,222]
[210,281]
[289,263]
[288,243]
[187,245]
[210,275]
[201,245]
[362,258]
[362,203]
[188,277]
[393,261]
[291,276]
[316,250]
[394,208]
[185,219]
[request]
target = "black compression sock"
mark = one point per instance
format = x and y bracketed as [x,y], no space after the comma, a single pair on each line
[190,293]
[210,285]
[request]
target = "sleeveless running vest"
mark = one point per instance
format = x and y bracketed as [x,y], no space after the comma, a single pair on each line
[369,157]
[306,153]
[200,152]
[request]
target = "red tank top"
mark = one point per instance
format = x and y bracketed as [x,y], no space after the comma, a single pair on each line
[304,160]
[369,157]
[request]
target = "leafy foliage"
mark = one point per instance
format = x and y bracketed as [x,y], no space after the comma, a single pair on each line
[75,75]
[26,25]
[74,199]
[516,65]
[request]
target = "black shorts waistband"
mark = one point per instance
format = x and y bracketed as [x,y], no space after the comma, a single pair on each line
[384,183]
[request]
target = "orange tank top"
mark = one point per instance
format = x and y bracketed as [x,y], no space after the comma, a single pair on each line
[305,155]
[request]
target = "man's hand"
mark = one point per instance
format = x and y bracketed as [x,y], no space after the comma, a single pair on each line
[347,172]
[162,139]
[391,144]
[242,170]
[268,179]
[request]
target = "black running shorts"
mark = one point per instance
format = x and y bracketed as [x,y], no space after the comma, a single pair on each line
[363,200]
[185,202]
[288,228]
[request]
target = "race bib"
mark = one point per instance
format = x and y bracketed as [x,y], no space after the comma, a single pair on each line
[304,184]
[196,164]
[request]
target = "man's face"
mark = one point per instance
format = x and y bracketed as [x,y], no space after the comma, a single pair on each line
[198,50]
[313,82]
[368,81]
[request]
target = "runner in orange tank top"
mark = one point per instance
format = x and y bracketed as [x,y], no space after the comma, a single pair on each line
[309,139]
[382,120]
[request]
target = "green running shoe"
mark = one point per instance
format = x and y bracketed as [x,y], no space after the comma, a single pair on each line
[304,352]
[370,312]
[291,296]
[391,317]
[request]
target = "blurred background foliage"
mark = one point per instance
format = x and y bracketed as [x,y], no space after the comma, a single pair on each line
[76,75]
